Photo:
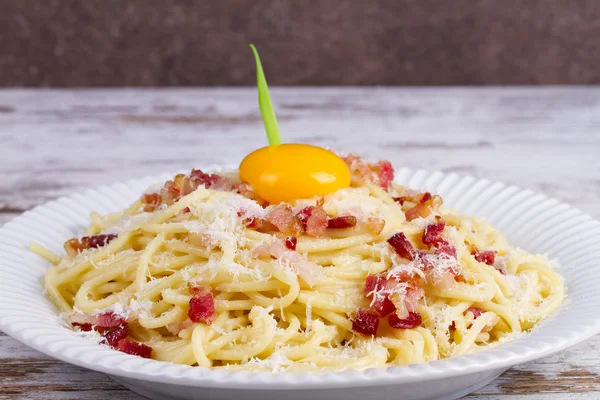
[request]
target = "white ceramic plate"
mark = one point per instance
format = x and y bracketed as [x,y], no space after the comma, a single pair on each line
[530,221]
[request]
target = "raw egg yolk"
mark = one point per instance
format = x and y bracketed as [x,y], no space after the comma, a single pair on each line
[293,171]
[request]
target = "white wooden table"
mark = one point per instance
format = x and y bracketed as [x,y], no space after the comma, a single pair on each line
[54,142]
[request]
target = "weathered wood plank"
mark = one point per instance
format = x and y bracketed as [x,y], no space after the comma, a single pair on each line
[53,142]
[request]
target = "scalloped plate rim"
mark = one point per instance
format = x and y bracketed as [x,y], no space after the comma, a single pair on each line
[204,377]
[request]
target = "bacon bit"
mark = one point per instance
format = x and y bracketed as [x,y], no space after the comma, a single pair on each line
[241,212]
[112,326]
[75,246]
[424,197]
[452,326]
[210,181]
[444,247]
[151,201]
[400,200]
[457,278]
[375,225]
[247,191]
[477,312]
[432,232]
[82,320]
[202,306]
[500,265]
[254,223]
[424,261]
[283,218]
[487,257]
[365,322]
[113,336]
[402,246]
[424,209]
[407,303]
[96,241]
[374,283]
[310,272]
[344,222]
[182,185]
[135,348]
[314,219]
[290,243]
[385,173]
[381,173]
[383,306]
[108,320]
[412,321]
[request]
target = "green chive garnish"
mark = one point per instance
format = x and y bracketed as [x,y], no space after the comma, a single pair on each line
[264,102]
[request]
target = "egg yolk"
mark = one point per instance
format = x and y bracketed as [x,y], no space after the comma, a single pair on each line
[293,171]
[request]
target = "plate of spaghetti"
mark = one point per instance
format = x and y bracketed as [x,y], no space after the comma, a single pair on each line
[301,272]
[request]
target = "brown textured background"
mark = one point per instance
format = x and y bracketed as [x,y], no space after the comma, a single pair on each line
[326,42]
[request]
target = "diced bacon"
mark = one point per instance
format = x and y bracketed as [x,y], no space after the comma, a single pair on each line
[310,272]
[444,247]
[314,219]
[457,278]
[385,173]
[375,225]
[283,218]
[109,320]
[425,262]
[487,257]
[113,336]
[424,209]
[374,283]
[96,241]
[412,321]
[383,306]
[135,348]
[254,223]
[85,327]
[402,246]
[210,181]
[182,185]
[365,322]
[432,232]
[202,306]
[291,242]
[75,246]
[500,265]
[409,302]
[477,312]
[247,191]
[151,201]
[104,323]
[380,173]
[83,320]
[400,200]
[423,197]
[343,222]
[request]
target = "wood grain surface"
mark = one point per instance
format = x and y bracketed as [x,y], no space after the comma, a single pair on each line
[55,142]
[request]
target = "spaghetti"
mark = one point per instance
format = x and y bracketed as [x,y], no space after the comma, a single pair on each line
[202,272]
